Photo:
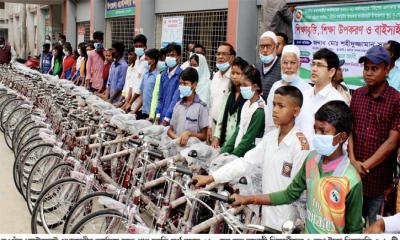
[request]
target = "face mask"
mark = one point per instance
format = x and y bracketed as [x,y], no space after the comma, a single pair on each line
[161,66]
[60,42]
[66,53]
[267,59]
[139,52]
[246,92]
[1,46]
[146,65]
[185,91]
[170,61]
[223,66]
[289,78]
[323,144]
[47,41]
[98,45]
[79,51]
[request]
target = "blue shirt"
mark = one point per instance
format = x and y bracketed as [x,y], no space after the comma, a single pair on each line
[45,62]
[167,97]
[146,88]
[394,76]
[116,78]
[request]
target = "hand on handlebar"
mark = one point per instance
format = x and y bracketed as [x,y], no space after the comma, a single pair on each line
[202,180]
[239,200]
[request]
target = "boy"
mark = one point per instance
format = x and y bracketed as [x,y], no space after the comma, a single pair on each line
[169,85]
[147,85]
[376,133]
[280,153]
[117,75]
[129,75]
[334,188]
[190,115]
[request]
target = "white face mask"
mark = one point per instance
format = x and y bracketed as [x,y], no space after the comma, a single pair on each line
[2,46]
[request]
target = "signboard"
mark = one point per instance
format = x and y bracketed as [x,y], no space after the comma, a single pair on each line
[81,34]
[120,8]
[172,30]
[348,30]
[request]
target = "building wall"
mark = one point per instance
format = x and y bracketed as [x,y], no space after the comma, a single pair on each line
[82,10]
[162,6]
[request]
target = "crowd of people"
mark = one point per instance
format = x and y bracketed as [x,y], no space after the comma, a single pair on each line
[308,135]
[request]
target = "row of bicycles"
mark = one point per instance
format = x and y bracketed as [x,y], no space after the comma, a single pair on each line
[84,166]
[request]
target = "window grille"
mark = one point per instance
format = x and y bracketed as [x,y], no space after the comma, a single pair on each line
[86,25]
[205,27]
[123,30]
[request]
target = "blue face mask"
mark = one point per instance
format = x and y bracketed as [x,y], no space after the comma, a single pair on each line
[185,91]
[223,66]
[267,59]
[161,66]
[290,78]
[139,52]
[170,61]
[98,45]
[146,65]
[246,92]
[323,144]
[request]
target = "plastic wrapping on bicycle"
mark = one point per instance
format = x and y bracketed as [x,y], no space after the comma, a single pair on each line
[111,134]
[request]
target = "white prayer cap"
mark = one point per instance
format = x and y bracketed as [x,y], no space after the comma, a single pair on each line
[291,49]
[270,35]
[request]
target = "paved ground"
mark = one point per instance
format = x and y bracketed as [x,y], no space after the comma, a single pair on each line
[14,215]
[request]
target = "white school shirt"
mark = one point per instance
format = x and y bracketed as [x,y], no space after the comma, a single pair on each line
[392,223]
[311,104]
[301,84]
[280,164]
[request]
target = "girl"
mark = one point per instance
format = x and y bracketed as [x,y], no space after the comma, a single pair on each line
[252,116]
[58,60]
[199,62]
[69,62]
[230,116]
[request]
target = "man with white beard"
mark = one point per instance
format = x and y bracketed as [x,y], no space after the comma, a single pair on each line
[290,67]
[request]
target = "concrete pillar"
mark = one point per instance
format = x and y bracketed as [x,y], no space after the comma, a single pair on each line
[246,37]
[145,20]
[70,21]
[97,16]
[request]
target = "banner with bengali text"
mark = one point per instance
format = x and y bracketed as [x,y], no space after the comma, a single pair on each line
[348,29]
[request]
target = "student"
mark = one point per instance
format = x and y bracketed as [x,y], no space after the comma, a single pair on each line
[280,154]
[95,63]
[375,135]
[290,65]
[116,78]
[190,114]
[252,116]
[130,74]
[334,188]
[69,62]
[220,84]
[80,73]
[58,56]
[45,59]
[168,94]
[147,85]
[106,70]
[131,90]
[229,118]
[161,67]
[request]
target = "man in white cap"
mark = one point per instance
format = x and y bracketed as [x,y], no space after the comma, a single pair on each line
[290,67]
[269,65]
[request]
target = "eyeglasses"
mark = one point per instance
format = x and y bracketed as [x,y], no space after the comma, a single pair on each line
[318,65]
[224,54]
[267,46]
